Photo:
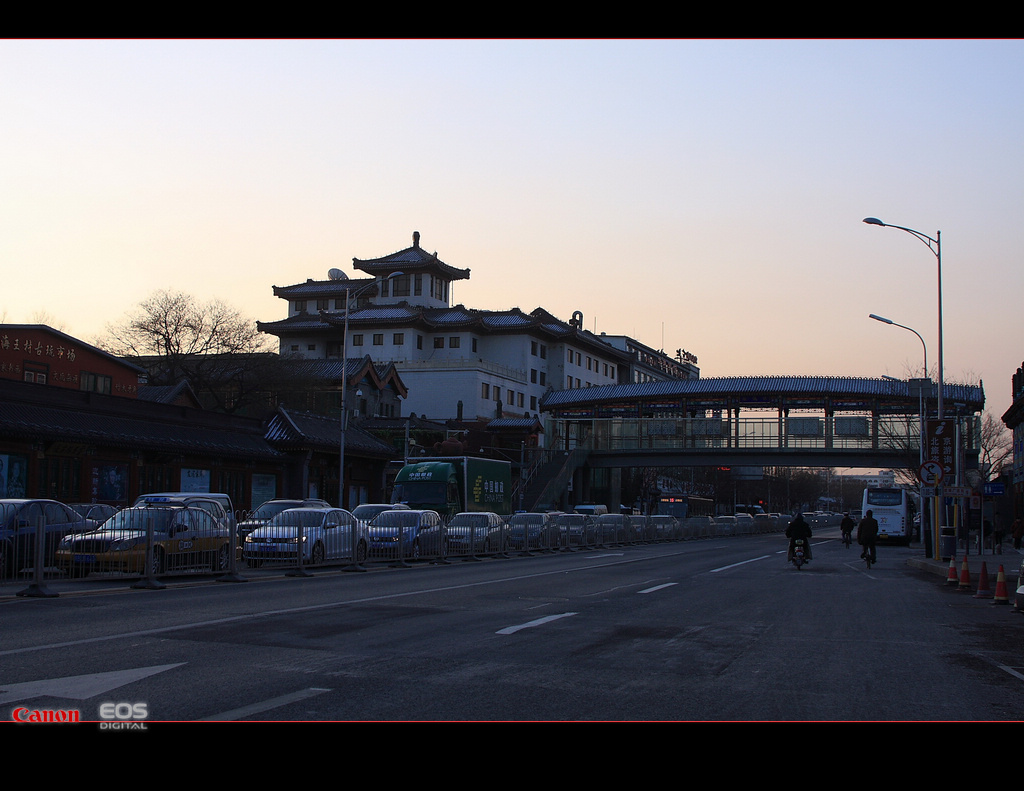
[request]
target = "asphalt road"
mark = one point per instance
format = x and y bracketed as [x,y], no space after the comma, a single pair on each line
[719,629]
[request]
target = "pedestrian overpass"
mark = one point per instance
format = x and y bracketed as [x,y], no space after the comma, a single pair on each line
[766,421]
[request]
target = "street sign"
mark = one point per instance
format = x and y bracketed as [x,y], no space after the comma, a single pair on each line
[957,491]
[942,443]
[930,473]
[994,489]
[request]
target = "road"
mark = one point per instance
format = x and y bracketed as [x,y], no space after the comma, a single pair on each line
[719,629]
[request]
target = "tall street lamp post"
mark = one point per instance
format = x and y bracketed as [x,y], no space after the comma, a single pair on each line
[926,534]
[935,245]
[344,386]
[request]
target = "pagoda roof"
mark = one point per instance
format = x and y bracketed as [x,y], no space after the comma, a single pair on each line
[408,261]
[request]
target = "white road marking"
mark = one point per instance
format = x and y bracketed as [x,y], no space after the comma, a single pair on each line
[78,687]
[658,587]
[741,563]
[266,705]
[531,624]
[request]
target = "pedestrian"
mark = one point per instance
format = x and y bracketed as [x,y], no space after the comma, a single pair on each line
[1018,532]
[997,535]
[867,535]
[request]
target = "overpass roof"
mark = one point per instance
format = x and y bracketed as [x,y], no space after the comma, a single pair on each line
[760,392]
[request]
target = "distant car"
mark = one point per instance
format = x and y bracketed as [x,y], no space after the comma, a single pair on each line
[590,509]
[613,528]
[214,503]
[184,536]
[726,525]
[19,519]
[532,531]
[744,523]
[99,512]
[365,512]
[474,532]
[324,533]
[664,527]
[400,533]
[576,530]
[271,508]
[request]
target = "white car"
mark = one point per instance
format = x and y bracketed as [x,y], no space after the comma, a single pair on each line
[324,533]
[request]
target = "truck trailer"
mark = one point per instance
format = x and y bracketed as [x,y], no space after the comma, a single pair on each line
[453,484]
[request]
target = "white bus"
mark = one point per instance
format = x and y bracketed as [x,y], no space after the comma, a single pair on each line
[893,509]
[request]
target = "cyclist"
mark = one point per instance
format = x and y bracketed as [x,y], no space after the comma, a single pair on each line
[867,535]
[847,526]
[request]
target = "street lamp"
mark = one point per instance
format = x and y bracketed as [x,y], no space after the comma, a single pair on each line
[894,324]
[344,386]
[925,534]
[935,245]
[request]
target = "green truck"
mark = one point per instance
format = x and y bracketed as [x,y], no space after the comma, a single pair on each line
[453,484]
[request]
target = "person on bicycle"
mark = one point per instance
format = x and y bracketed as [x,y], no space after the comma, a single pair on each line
[847,526]
[798,528]
[867,535]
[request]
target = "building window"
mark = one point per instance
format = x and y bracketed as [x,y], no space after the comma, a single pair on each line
[533,403]
[95,383]
[398,338]
[419,341]
[543,352]
[520,400]
[300,306]
[533,348]
[533,376]
[295,347]
[438,342]
[485,390]
[310,347]
[568,383]
[418,285]
[400,287]
[357,340]
[323,304]
[453,343]
[378,339]
[474,345]
[543,379]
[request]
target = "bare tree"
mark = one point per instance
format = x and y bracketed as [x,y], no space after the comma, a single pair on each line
[996,446]
[223,356]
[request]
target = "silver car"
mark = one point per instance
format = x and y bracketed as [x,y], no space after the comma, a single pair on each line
[323,533]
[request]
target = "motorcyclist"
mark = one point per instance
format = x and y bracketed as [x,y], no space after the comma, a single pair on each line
[798,528]
[847,526]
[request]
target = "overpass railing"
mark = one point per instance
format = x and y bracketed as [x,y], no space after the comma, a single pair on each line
[899,433]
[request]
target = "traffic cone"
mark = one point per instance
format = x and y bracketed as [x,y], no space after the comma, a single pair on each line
[951,578]
[984,591]
[965,577]
[1002,596]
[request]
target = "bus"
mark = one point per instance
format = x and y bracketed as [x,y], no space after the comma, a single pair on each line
[682,506]
[893,509]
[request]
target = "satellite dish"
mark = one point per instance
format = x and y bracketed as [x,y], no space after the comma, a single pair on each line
[337,274]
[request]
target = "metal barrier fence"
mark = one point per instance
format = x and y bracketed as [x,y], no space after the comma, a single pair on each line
[145,544]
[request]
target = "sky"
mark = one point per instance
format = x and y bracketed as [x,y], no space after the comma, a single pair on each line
[704,195]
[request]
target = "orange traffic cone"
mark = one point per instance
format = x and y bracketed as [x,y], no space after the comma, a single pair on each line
[951,578]
[1001,597]
[984,591]
[965,577]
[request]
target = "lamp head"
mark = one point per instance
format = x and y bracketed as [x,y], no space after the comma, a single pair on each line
[879,318]
[873,221]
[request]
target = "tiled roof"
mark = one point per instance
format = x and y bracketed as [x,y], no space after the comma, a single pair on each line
[291,429]
[411,259]
[313,289]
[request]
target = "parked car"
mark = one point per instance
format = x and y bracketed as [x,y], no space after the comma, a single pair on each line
[725,525]
[404,533]
[323,533]
[271,508]
[532,531]
[365,512]
[576,529]
[214,503]
[664,527]
[744,523]
[613,528]
[473,532]
[98,512]
[19,519]
[184,536]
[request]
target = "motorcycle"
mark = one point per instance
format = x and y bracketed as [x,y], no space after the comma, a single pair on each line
[798,558]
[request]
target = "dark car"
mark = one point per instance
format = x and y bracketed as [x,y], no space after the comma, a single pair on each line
[575,530]
[532,531]
[98,512]
[405,533]
[19,520]
[474,532]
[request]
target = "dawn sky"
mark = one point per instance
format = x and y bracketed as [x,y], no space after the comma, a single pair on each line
[696,194]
